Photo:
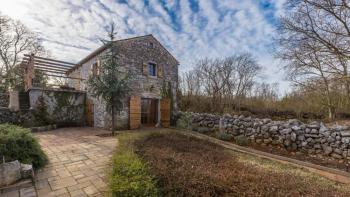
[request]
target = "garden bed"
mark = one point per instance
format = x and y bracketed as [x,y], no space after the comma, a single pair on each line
[186,166]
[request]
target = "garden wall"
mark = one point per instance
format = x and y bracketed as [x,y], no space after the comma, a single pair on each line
[4,99]
[20,117]
[61,107]
[313,138]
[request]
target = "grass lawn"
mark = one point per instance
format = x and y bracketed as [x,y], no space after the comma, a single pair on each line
[172,164]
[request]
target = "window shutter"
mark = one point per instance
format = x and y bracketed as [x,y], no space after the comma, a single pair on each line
[160,71]
[145,69]
[165,112]
[91,69]
[134,112]
[98,66]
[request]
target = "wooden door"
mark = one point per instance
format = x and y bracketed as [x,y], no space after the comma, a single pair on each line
[90,113]
[165,112]
[135,112]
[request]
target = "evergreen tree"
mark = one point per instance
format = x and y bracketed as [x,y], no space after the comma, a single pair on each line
[111,84]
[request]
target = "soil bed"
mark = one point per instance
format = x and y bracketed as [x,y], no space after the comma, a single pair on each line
[187,166]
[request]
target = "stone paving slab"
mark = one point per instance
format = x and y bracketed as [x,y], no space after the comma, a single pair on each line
[78,162]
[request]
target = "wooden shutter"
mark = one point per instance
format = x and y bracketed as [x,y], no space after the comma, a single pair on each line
[98,66]
[145,69]
[165,112]
[135,112]
[91,71]
[160,71]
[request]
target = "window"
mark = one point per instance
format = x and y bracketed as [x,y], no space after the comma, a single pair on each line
[151,45]
[152,69]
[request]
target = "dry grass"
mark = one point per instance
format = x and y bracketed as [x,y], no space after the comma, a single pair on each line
[186,166]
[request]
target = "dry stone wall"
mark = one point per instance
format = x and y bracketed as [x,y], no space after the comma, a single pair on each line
[4,99]
[21,117]
[313,138]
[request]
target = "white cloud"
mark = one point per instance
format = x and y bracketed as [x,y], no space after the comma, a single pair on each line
[71,28]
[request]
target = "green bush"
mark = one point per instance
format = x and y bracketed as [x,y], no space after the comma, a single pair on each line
[242,140]
[184,122]
[130,175]
[17,143]
[224,136]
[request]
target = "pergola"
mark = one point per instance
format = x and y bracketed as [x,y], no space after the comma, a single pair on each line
[49,67]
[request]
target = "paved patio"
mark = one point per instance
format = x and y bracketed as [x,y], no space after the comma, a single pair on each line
[78,162]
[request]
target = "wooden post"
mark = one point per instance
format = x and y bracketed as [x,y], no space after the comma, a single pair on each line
[29,73]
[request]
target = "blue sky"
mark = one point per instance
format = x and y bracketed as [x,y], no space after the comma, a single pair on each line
[190,29]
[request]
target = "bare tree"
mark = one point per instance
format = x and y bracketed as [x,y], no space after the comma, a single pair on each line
[315,39]
[15,40]
[224,81]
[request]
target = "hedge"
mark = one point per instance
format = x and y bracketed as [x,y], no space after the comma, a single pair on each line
[17,143]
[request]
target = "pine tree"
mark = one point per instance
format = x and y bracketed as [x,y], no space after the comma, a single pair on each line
[111,84]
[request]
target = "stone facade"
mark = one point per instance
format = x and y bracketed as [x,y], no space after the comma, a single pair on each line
[313,138]
[133,54]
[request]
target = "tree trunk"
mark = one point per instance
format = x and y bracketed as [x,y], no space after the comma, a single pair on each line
[112,115]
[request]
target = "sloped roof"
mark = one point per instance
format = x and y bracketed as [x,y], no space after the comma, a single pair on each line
[102,48]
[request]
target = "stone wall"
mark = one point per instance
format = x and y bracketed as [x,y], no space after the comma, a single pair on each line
[4,99]
[62,107]
[20,117]
[313,138]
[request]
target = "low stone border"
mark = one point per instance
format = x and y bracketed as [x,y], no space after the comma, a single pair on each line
[11,172]
[330,173]
[44,128]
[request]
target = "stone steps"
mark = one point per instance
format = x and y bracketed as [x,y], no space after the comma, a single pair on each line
[24,102]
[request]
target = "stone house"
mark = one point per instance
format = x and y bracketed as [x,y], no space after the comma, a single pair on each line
[154,83]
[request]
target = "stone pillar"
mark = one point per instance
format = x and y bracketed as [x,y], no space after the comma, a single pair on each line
[29,73]
[14,100]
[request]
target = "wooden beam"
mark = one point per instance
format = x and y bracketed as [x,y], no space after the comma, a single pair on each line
[48,59]
[52,66]
[51,71]
[49,63]
[48,68]
[64,77]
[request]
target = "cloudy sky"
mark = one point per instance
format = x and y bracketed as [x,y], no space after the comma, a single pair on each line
[190,29]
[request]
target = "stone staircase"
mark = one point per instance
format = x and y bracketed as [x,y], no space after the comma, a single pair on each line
[24,103]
